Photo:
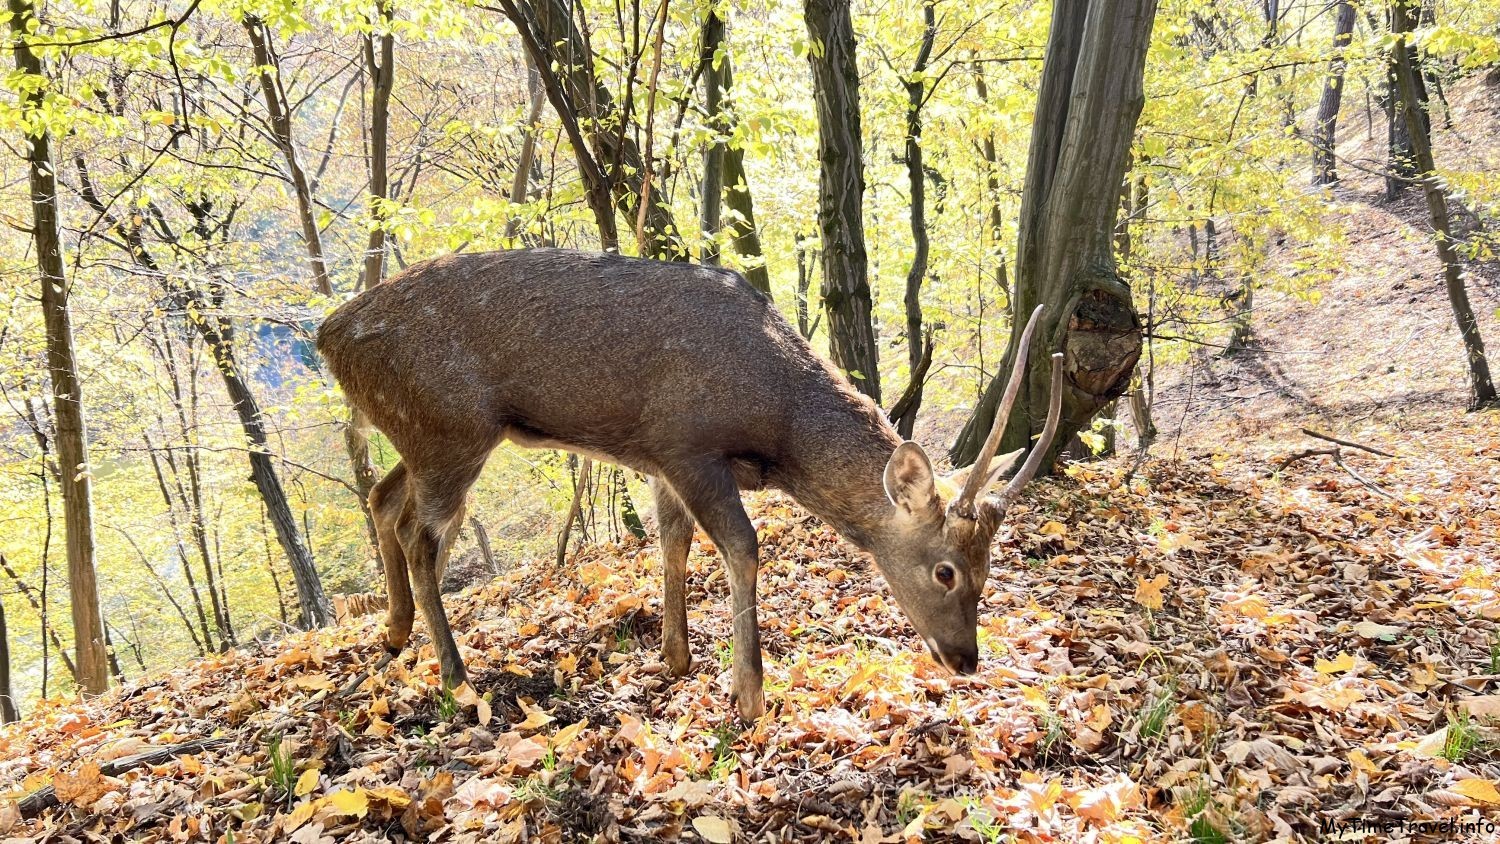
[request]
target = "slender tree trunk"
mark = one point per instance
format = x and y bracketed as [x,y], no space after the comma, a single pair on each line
[1087,105]
[1481,387]
[526,158]
[8,710]
[1402,168]
[916,179]
[62,365]
[278,110]
[992,189]
[736,184]
[311,599]
[712,193]
[847,299]
[380,67]
[1325,135]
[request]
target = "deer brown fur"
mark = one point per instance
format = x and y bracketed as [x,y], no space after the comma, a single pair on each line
[685,373]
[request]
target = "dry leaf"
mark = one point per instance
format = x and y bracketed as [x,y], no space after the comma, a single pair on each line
[1482,791]
[1148,592]
[714,830]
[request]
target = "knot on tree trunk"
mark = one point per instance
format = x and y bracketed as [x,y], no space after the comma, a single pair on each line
[1103,340]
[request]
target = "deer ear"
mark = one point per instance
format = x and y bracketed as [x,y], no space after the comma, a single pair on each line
[909,481]
[1001,466]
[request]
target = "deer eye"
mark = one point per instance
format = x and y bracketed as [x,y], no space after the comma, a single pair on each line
[945,575]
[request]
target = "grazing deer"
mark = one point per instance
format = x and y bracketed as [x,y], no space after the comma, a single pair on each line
[685,373]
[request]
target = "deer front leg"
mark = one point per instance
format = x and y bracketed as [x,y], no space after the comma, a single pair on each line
[713,498]
[675,528]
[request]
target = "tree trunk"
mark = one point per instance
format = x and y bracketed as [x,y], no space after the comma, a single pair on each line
[610,163]
[62,366]
[712,193]
[8,710]
[1402,168]
[1325,134]
[1089,99]
[380,66]
[916,179]
[278,111]
[1481,387]
[992,189]
[841,188]
[520,184]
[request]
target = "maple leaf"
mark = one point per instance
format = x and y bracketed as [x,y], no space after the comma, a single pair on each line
[1148,593]
[83,787]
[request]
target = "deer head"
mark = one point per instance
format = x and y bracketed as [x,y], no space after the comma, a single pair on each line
[936,555]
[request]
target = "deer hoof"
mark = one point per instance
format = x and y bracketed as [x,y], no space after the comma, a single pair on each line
[679,660]
[751,704]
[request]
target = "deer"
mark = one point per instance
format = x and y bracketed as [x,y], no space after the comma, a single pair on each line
[684,373]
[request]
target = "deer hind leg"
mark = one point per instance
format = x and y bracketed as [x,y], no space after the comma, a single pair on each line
[675,526]
[387,501]
[427,529]
[711,495]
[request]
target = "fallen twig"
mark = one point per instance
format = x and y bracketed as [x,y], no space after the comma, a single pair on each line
[1329,438]
[1337,454]
[45,798]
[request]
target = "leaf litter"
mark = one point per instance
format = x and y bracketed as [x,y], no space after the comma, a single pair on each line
[1203,651]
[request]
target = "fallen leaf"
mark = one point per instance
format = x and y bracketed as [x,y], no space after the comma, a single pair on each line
[1343,662]
[347,802]
[1479,790]
[306,783]
[714,830]
[1148,592]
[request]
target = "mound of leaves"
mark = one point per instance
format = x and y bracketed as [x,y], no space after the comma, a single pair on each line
[1201,651]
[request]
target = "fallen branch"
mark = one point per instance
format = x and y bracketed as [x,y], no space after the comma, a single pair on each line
[45,798]
[353,685]
[1337,454]
[1332,439]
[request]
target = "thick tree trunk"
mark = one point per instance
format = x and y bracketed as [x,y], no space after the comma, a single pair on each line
[1325,134]
[62,366]
[1481,387]
[1088,103]
[841,189]
[916,179]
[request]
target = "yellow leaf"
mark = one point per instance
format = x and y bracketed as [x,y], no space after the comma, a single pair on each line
[568,664]
[714,830]
[1483,791]
[347,802]
[1148,592]
[306,783]
[299,816]
[313,682]
[1343,662]
[535,718]
[1053,528]
[466,696]
[1360,762]
[566,735]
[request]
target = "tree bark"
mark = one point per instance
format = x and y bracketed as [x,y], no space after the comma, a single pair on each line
[62,365]
[847,299]
[1089,99]
[520,185]
[1481,387]
[736,184]
[1325,135]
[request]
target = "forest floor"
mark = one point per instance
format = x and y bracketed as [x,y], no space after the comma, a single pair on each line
[1216,646]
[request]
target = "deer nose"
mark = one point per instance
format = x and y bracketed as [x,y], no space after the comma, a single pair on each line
[959,662]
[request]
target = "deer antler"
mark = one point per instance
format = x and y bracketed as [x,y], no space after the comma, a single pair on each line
[1043,444]
[977,476]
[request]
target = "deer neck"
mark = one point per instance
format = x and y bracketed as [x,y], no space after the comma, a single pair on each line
[837,468]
